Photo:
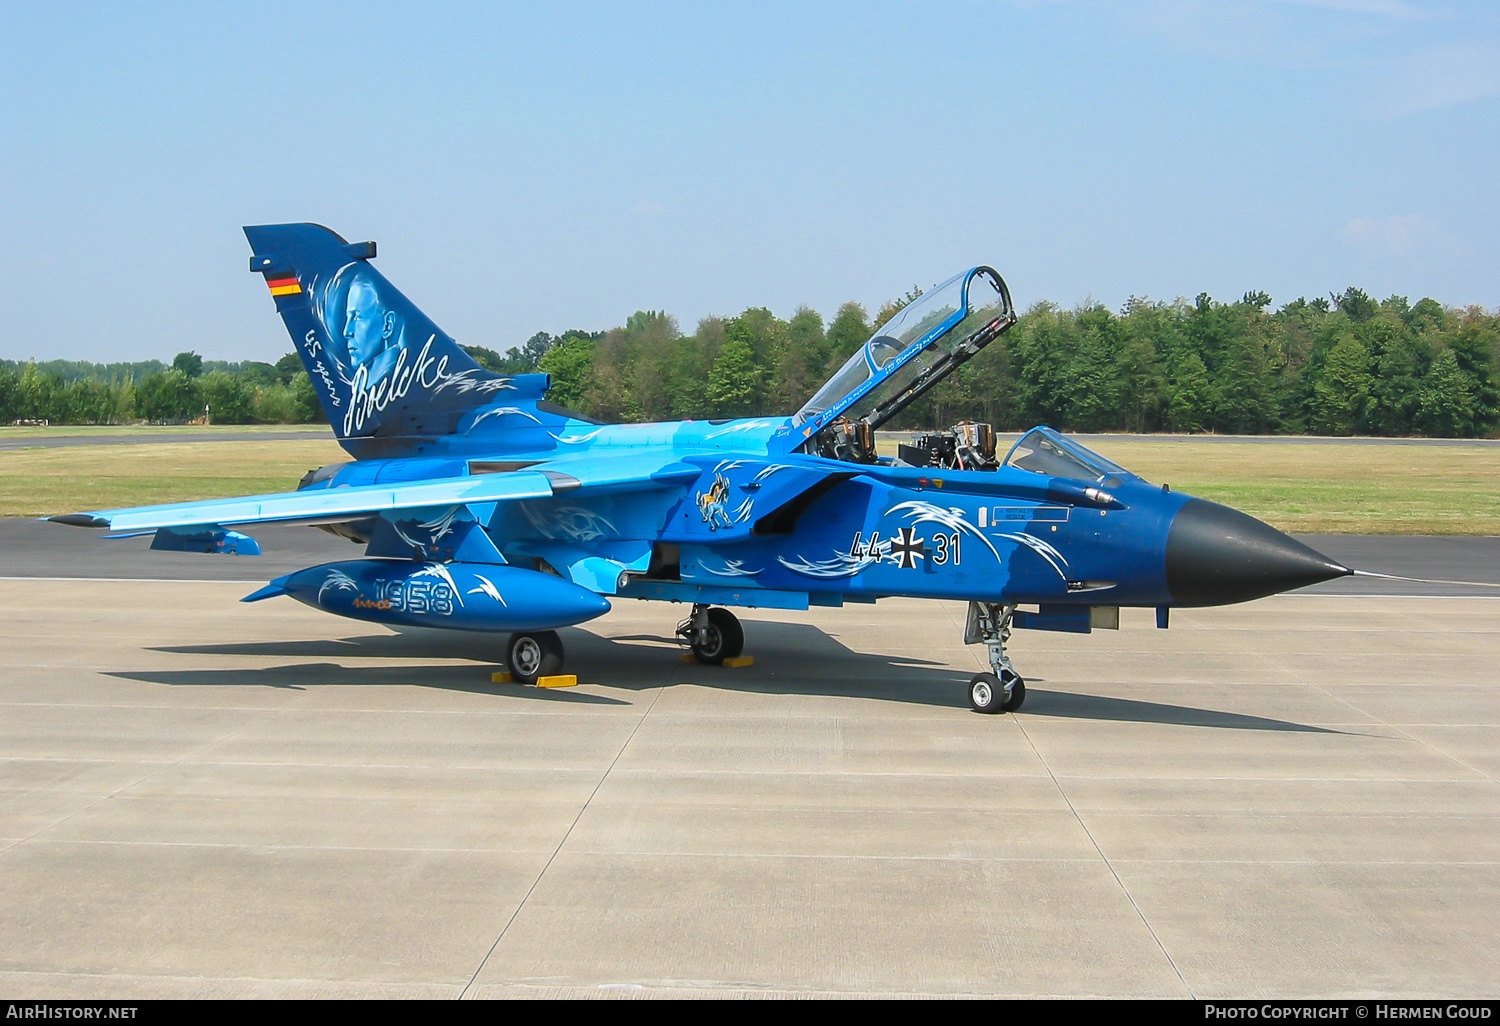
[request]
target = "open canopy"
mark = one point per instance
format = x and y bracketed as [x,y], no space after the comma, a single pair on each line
[913,351]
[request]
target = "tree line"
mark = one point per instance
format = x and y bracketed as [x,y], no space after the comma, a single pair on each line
[1341,365]
[1345,364]
[75,392]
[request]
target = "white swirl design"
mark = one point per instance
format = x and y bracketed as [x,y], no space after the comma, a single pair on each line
[337,580]
[731,568]
[952,518]
[487,587]
[440,571]
[841,565]
[1054,558]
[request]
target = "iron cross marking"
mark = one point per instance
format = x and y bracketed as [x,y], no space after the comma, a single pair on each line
[908,549]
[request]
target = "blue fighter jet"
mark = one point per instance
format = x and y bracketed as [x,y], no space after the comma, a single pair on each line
[482,506]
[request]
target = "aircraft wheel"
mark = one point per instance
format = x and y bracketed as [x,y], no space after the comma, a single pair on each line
[534,655]
[1017,695]
[985,693]
[724,638]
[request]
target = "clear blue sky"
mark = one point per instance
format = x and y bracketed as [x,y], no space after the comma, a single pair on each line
[544,166]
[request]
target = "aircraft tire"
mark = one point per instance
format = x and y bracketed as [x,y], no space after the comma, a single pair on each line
[535,654]
[1017,695]
[726,638]
[985,693]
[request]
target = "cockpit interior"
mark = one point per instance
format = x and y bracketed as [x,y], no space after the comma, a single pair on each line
[921,345]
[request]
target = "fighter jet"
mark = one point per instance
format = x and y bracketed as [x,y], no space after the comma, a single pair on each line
[482,506]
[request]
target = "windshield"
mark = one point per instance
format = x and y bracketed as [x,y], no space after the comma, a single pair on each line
[1044,451]
[918,343]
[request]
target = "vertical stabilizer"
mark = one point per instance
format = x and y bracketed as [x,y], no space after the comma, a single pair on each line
[380,366]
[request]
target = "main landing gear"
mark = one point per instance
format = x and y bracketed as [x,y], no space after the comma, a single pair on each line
[712,633]
[1002,690]
[534,654]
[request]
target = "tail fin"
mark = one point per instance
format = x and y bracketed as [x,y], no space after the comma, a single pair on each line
[380,367]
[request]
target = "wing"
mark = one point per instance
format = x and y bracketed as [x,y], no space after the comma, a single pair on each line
[601,474]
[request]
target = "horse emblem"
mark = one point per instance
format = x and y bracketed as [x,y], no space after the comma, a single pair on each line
[713,504]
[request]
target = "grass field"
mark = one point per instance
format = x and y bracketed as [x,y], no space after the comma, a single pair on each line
[41,482]
[1327,488]
[1333,489]
[1314,488]
[156,430]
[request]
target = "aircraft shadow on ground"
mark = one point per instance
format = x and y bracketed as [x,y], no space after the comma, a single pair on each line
[793,659]
[302,676]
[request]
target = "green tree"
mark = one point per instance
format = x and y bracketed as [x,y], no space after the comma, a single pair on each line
[34,394]
[257,374]
[487,358]
[1189,395]
[800,362]
[168,396]
[1445,399]
[10,395]
[188,363]
[1096,396]
[288,368]
[275,404]
[309,408]
[1043,345]
[571,365]
[734,379]
[1398,366]
[1356,305]
[1475,344]
[84,401]
[123,390]
[524,359]
[229,398]
[1342,390]
[1241,396]
[849,330]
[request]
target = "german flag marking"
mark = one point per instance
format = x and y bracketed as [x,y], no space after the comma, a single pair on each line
[288,286]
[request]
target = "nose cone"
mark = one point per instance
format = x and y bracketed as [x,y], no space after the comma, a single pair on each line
[1217,555]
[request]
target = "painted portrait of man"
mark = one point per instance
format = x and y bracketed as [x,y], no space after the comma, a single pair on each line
[356,316]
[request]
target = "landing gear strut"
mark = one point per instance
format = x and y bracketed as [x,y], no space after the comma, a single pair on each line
[713,634]
[1003,690]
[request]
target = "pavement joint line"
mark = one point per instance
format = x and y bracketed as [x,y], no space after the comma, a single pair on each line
[1133,777]
[225,979]
[790,856]
[1021,725]
[159,767]
[682,985]
[983,859]
[1323,690]
[564,840]
[647,854]
[255,845]
[1305,862]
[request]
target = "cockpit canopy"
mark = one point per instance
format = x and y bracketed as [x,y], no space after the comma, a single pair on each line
[913,351]
[1044,451]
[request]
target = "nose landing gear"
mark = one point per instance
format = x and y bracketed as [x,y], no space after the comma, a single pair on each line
[712,634]
[1003,690]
